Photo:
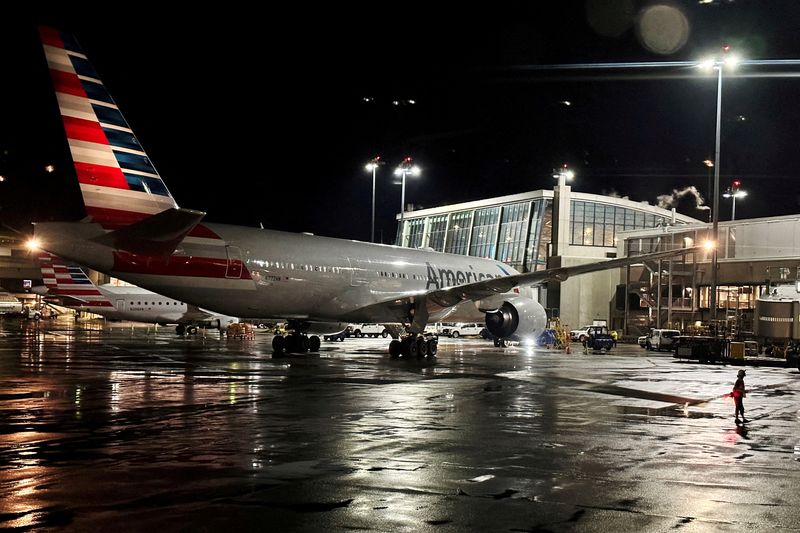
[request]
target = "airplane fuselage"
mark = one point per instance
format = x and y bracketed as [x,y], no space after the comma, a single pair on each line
[255,273]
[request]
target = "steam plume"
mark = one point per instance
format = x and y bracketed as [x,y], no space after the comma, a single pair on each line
[668,201]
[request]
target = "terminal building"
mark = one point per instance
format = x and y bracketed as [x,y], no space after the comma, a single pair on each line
[677,293]
[543,229]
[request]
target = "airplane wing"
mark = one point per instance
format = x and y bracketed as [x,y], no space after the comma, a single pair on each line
[196,313]
[483,289]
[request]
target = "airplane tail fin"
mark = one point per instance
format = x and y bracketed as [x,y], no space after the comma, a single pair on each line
[118,182]
[70,283]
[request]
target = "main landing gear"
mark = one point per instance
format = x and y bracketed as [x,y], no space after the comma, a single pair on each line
[413,346]
[295,342]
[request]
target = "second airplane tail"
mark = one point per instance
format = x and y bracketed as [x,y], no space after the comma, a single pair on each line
[70,283]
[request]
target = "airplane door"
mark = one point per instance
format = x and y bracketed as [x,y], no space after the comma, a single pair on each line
[358,272]
[234,267]
[121,305]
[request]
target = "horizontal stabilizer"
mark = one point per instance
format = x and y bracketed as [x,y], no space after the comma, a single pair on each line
[159,234]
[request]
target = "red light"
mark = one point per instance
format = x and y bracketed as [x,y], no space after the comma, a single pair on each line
[726,48]
[736,184]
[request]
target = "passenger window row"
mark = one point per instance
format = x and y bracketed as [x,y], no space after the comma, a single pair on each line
[292,266]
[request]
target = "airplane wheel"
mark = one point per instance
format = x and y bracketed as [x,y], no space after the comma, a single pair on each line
[278,344]
[302,343]
[180,329]
[433,347]
[496,343]
[503,343]
[395,348]
[409,346]
[422,347]
[192,330]
[313,343]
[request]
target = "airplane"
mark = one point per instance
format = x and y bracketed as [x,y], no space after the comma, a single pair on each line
[123,302]
[135,231]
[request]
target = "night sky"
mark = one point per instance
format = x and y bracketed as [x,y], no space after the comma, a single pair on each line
[271,119]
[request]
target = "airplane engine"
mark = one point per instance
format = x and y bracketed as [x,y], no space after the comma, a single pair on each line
[517,318]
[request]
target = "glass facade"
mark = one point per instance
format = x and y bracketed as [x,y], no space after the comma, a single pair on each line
[520,233]
[596,224]
[416,227]
[434,236]
[458,233]
[484,232]
[513,231]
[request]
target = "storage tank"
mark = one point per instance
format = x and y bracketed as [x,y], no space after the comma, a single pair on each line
[778,309]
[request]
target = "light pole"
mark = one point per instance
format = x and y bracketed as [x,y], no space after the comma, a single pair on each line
[717,63]
[373,165]
[710,164]
[734,192]
[406,167]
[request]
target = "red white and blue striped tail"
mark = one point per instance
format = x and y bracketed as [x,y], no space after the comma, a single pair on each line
[119,184]
[70,283]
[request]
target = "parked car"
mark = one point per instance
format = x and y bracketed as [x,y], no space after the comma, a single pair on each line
[370,330]
[643,341]
[436,328]
[661,339]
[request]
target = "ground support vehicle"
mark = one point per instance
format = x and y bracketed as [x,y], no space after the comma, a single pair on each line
[598,339]
[240,330]
[704,348]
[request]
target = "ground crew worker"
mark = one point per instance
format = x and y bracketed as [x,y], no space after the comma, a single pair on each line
[738,394]
[614,336]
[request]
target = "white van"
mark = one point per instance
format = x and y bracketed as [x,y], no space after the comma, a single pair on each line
[661,339]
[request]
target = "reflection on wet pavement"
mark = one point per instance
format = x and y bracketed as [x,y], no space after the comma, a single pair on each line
[129,425]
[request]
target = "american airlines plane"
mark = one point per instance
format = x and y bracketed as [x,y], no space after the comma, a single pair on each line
[73,287]
[135,231]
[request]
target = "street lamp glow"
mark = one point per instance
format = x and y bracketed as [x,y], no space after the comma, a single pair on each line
[732,60]
[564,173]
[733,192]
[737,194]
[706,64]
[709,245]
[33,244]
[709,163]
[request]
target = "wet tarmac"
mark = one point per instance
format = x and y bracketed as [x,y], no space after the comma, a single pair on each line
[131,428]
